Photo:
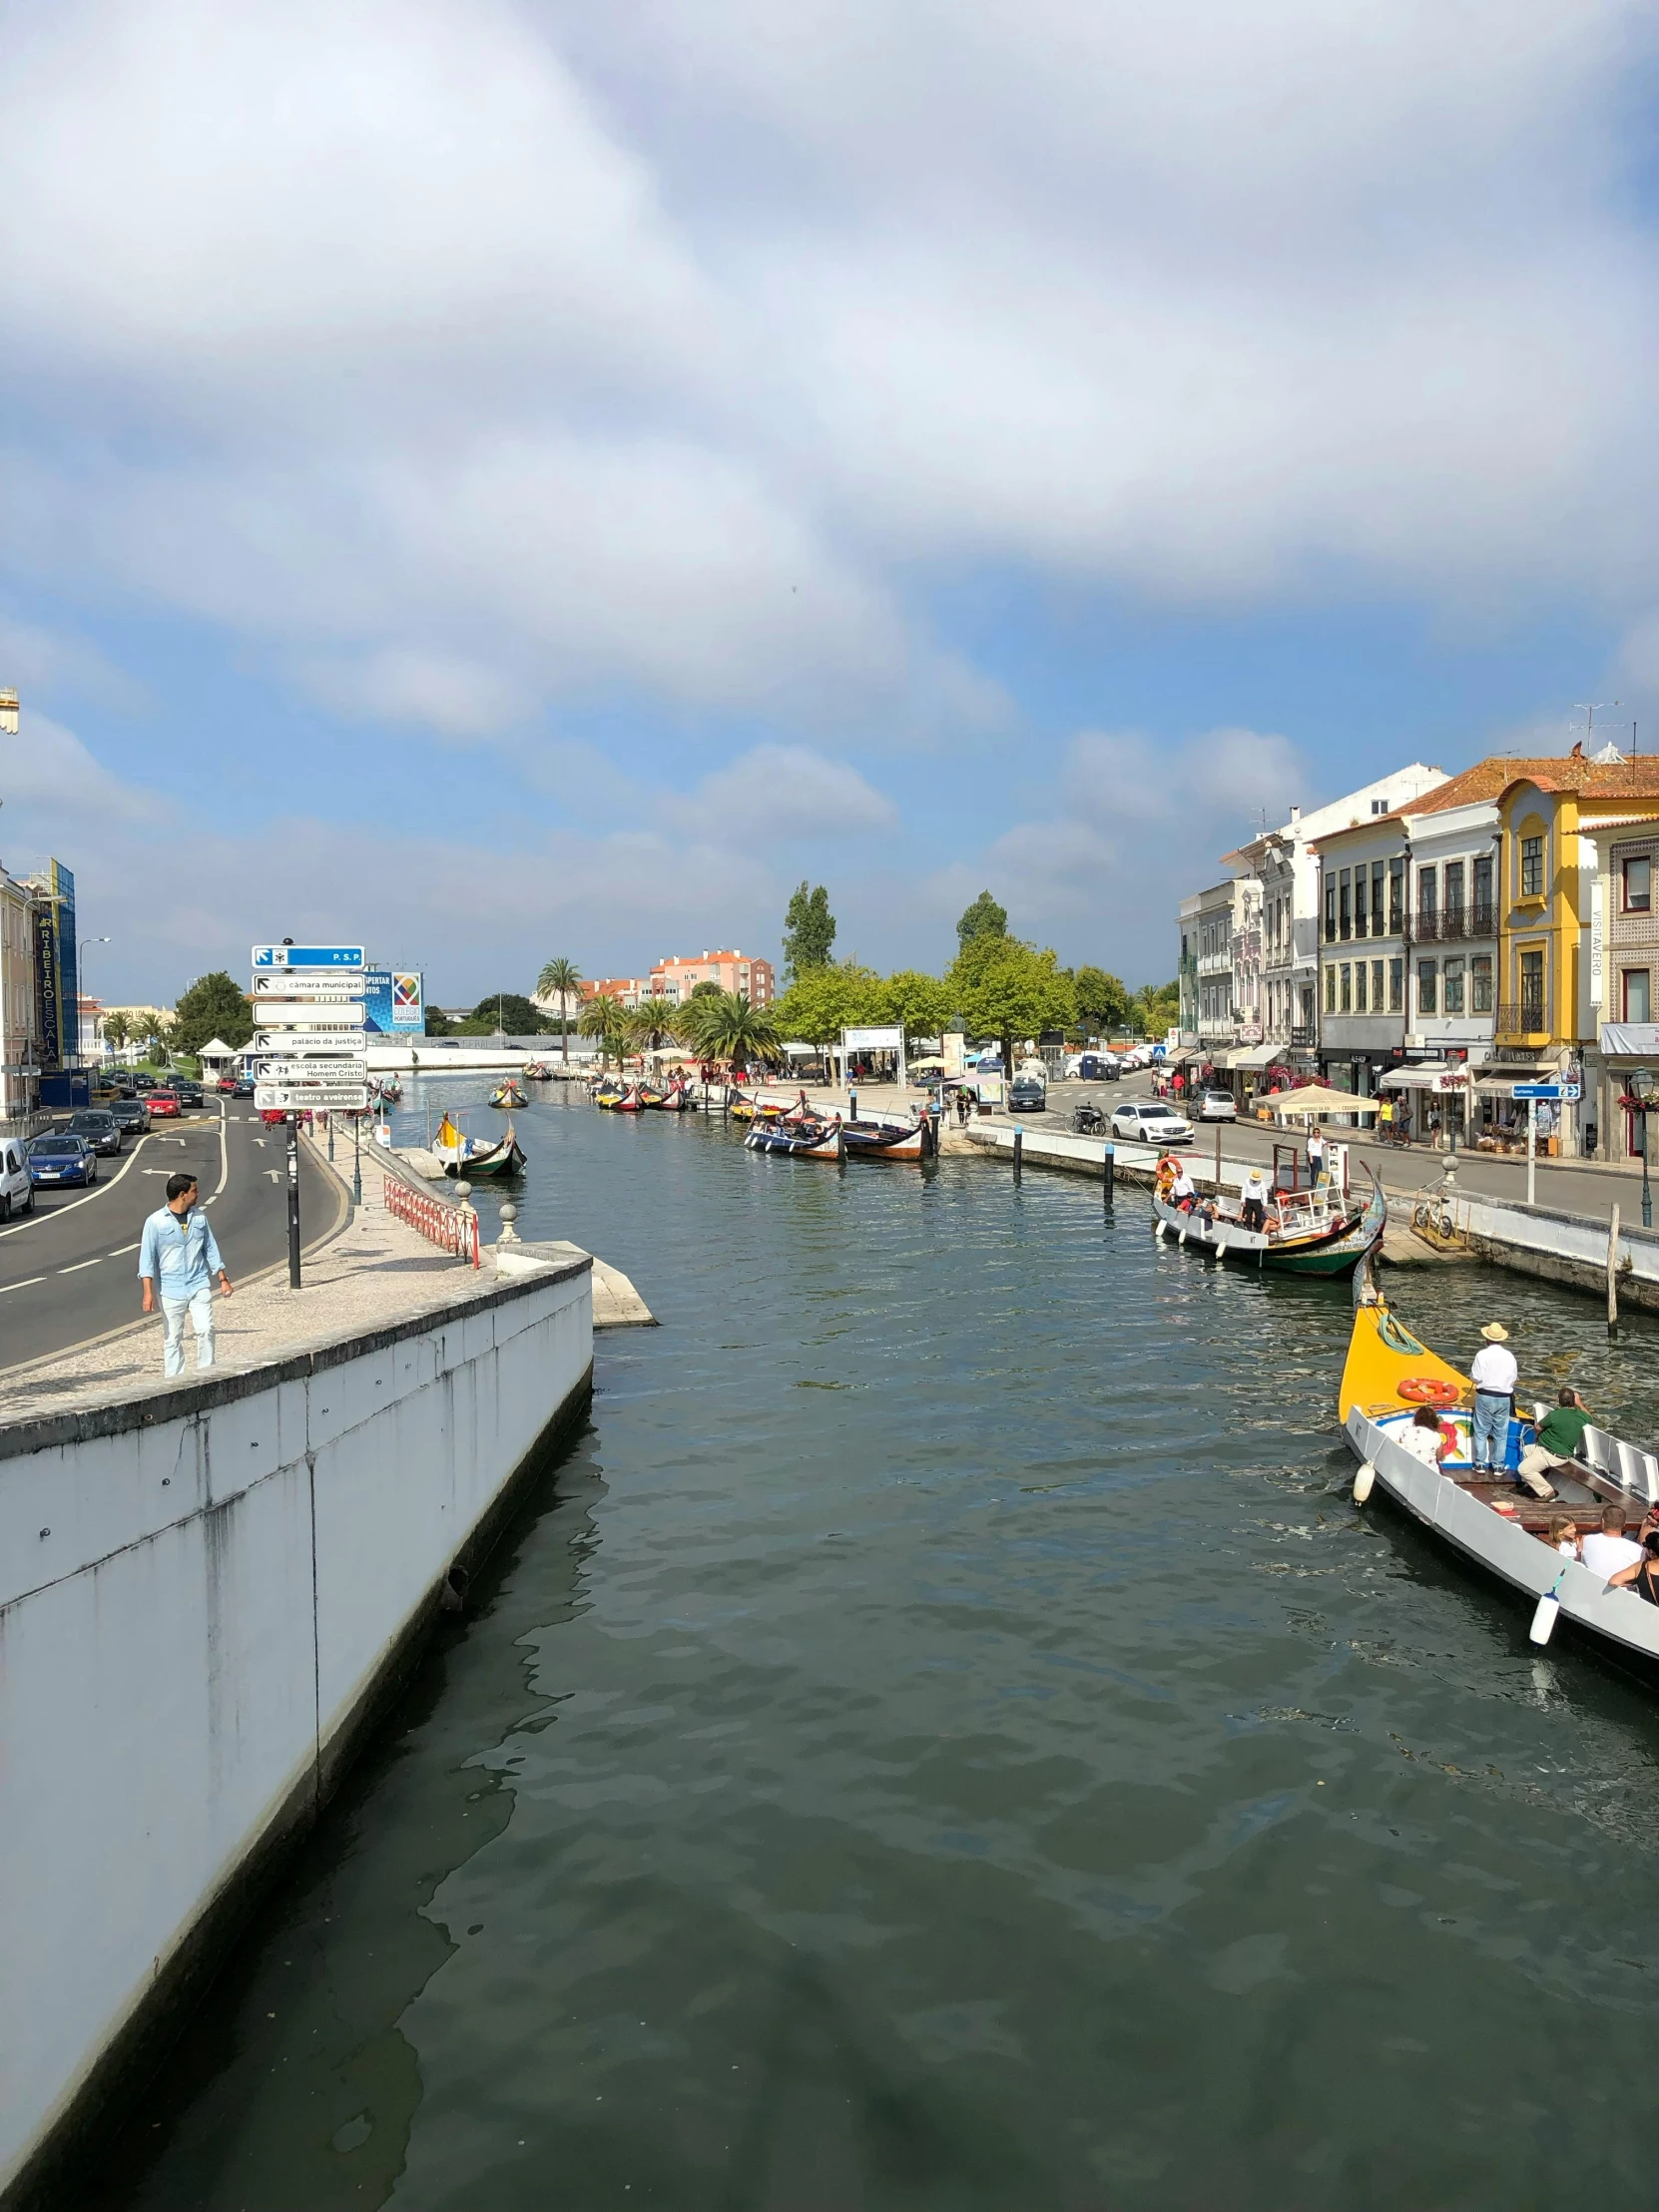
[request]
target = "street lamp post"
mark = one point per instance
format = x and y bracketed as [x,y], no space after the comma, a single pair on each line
[1638,1101]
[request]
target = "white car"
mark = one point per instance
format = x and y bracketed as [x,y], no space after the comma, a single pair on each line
[1149,1121]
[1218,1106]
[17,1185]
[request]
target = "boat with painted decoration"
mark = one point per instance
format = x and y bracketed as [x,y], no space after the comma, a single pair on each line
[1325,1230]
[1493,1521]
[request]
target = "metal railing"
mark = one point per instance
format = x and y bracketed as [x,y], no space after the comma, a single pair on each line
[1524,1017]
[1454,926]
[452,1228]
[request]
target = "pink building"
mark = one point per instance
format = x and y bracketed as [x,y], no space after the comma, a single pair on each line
[753,979]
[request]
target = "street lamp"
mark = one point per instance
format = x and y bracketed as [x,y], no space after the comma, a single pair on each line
[1638,1101]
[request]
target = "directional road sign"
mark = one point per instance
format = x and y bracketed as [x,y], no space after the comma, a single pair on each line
[282,1013]
[284,1034]
[299,1098]
[330,991]
[329,957]
[1547,1090]
[326,1067]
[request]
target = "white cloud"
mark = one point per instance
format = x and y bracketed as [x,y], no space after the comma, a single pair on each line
[480,352]
[46,772]
[783,791]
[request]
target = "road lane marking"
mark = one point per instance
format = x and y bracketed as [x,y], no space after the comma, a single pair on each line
[119,1252]
[224,1152]
[95,1262]
[28,1285]
[38,1220]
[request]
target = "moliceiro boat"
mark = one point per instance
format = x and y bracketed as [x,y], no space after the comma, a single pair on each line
[874,1140]
[1319,1231]
[1388,1375]
[510,1093]
[800,1140]
[459,1154]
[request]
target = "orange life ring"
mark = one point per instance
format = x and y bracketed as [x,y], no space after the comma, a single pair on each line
[1427,1390]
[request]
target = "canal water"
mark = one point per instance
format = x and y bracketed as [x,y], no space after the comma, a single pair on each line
[943,1738]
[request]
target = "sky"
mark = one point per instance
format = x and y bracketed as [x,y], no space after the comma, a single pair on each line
[503,479]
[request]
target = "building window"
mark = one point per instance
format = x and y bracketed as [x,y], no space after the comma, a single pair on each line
[1453,889]
[1483,899]
[1348,988]
[1396,987]
[1359,901]
[1396,896]
[1344,906]
[1480,983]
[1533,990]
[1638,886]
[1329,909]
[1376,898]
[1427,902]
[1376,969]
[1532,867]
[1330,991]
[1359,1006]
[1638,1002]
[1453,983]
[1425,988]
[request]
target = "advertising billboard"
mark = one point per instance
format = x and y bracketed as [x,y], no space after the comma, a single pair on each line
[394,1001]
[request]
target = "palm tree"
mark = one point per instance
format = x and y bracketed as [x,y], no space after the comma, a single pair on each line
[604,1017]
[725,1026]
[561,980]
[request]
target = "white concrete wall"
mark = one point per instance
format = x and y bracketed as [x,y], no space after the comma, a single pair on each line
[192,1609]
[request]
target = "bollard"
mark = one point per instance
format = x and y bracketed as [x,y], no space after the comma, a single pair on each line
[508,1234]
[1019,1150]
[1613,1277]
[1111,1178]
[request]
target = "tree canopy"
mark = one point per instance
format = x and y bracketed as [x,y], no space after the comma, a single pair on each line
[1156,1008]
[919,1002]
[984,918]
[809,932]
[214,1006]
[1005,988]
[1103,1002]
[509,1012]
[722,1025]
[819,1004]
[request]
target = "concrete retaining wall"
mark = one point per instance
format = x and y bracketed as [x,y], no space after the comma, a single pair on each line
[203,1599]
[1562,1247]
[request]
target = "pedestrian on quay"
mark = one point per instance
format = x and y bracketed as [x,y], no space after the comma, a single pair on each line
[177,1260]
[1315,1158]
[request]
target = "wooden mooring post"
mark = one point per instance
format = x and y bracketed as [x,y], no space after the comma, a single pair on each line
[1019,1151]
[1109,1185]
[1613,1276]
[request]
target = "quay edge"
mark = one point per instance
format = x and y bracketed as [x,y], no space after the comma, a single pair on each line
[245,1570]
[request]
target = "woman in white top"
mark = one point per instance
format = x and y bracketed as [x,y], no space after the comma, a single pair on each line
[1425,1439]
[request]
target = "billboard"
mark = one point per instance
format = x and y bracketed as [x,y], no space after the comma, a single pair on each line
[394,1001]
[69,981]
[46,988]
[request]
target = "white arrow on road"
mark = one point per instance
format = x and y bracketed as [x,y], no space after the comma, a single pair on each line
[276,1174]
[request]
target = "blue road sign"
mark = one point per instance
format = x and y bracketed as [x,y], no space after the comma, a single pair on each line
[307,956]
[1568,1091]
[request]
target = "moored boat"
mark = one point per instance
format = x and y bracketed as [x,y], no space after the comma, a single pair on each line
[609,1093]
[876,1140]
[390,1089]
[510,1093]
[1387,1376]
[800,1140]
[459,1154]
[1320,1232]
[537,1071]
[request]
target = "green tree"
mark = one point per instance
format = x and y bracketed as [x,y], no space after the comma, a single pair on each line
[117,1030]
[1102,1001]
[722,1025]
[438,1023]
[919,1002]
[604,1017]
[651,1023]
[819,1004]
[510,1012]
[561,980]
[984,918]
[1006,988]
[1156,1008]
[214,1006]
[809,932]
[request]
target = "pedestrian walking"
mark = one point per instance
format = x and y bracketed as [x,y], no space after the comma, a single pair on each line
[177,1260]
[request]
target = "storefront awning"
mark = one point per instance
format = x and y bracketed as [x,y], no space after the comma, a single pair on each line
[1255,1056]
[1501,1085]
[1417,1079]
[1630,1040]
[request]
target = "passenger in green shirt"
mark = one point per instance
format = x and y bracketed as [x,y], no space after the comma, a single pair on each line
[1559,1435]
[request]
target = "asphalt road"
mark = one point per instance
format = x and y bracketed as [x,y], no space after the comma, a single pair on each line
[1571,1186]
[69,1270]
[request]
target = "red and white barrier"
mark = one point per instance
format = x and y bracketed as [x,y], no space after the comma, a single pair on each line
[452,1228]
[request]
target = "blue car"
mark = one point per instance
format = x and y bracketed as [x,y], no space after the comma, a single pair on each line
[54,1160]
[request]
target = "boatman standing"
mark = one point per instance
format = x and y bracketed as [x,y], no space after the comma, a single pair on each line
[1494,1375]
[177,1260]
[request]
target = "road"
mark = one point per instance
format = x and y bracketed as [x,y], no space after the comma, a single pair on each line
[69,1272]
[1569,1186]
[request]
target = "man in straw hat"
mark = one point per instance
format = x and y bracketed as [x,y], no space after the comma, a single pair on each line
[1494,1373]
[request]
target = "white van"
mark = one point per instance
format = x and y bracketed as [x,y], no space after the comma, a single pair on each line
[17,1190]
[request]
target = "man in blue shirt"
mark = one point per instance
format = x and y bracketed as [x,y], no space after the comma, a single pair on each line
[177,1260]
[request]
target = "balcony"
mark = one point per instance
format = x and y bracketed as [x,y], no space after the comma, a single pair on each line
[1521,1017]
[1457,926]
[1304,1036]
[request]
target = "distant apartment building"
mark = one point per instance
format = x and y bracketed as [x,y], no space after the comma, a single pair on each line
[748,977]
[626,990]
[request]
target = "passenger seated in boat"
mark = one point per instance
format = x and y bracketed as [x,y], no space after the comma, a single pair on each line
[1183,1192]
[1425,1439]
[1609,1552]
[1255,1201]
[1559,1435]
[1563,1534]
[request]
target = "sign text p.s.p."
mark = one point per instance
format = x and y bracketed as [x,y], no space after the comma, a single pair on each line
[331,956]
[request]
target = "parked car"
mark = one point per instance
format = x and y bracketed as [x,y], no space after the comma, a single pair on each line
[132,1117]
[99,1127]
[1027,1094]
[163,1105]
[57,1159]
[1217,1106]
[243,1087]
[1149,1121]
[17,1187]
[189,1093]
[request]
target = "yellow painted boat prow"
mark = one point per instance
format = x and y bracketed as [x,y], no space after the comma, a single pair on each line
[449,1135]
[1382,1354]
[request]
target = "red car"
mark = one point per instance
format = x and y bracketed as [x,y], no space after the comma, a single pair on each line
[227,1085]
[161,1104]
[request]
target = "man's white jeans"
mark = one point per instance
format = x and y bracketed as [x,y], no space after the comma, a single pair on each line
[201,1311]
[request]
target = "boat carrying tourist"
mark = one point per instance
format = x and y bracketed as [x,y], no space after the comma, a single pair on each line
[1325,1230]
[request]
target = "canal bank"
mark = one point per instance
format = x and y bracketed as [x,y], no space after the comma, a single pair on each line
[210,1589]
[946,1736]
